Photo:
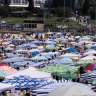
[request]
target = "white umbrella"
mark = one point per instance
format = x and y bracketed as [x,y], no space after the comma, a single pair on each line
[31,72]
[21,50]
[13,59]
[73,90]
[9,49]
[89,58]
[90,52]
[11,45]
[69,55]
[33,50]
[4,87]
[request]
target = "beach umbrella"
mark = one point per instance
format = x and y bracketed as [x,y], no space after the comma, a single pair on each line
[64,61]
[5,43]
[11,45]
[64,40]
[94,39]
[51,37]
[3,74]
[34,53]
[18,64]
[22,51]
[32,45]
[69,55]
[85,61]
[90,52]
[37,41]
[7,69]
[50,47]
[84,39]
[91,67]
[50,42]
[9,49]
[89,76]
[61,45]
[77,37]
[26,82]
[1,50]
[71,49]
[3,64]
[93,47]
[89,58]
[30,72]
[88,45]
[37,58]
[73,90]
[21,63]
[13,59]
[9,55]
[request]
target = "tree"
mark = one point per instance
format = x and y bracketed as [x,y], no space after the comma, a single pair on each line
[4,11]
[91,12]
[6,2]
[31,4]
[60,11]
[85,7]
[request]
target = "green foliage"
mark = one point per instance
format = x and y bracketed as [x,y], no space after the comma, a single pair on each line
[93,22]
[4,11]
[12,19]
[85,7]
[30,7]
[61,12]
[1,77]
[91,11]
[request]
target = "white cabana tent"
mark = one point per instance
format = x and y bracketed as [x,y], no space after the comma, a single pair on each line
[31,72]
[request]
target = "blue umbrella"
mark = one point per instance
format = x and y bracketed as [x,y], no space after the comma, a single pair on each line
[1,50]
[65,61]
[71,49]
[84,39]
[34,53]
[52,37]
[25,82]
[93,47]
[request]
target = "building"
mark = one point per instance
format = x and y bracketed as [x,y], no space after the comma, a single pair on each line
[19,3]
[33,24]
[25,3]
[39,3]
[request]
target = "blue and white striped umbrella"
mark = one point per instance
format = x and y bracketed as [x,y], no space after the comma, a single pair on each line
[25,82]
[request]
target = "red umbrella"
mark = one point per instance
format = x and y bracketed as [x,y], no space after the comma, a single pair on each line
[91,67]
[3,64]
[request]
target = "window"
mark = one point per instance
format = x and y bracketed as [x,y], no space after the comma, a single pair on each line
[30,26]
[34,25]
